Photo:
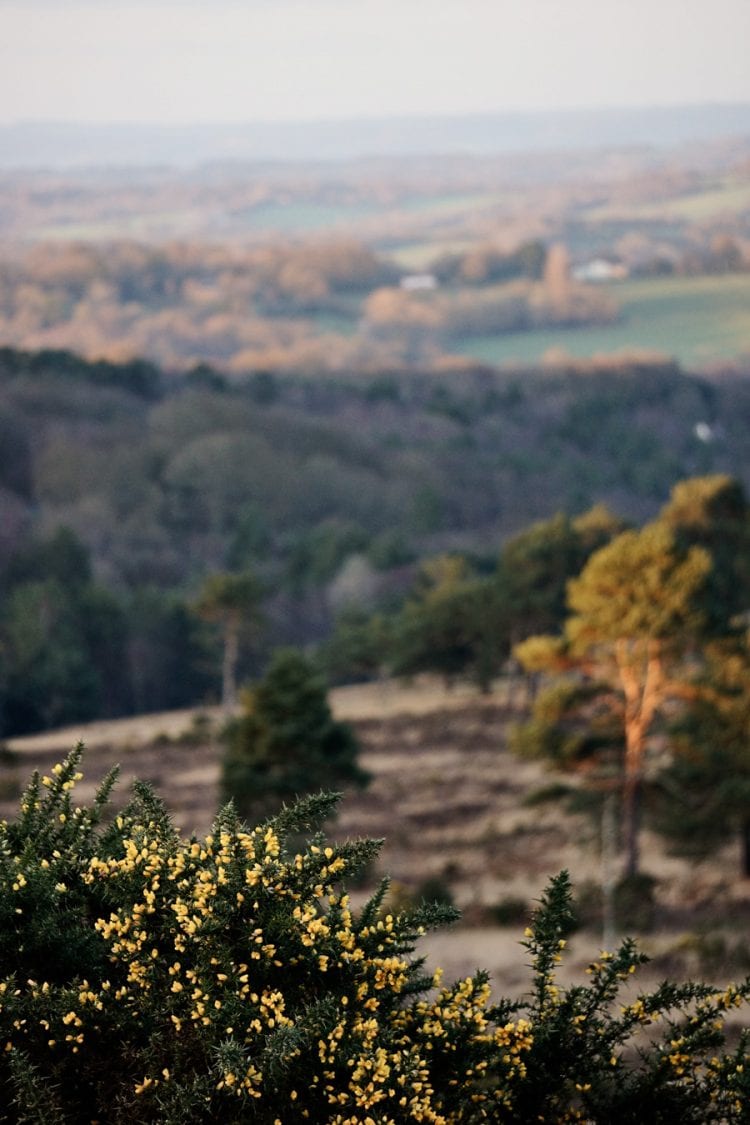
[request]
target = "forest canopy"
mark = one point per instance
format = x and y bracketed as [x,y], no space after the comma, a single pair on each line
[332,491]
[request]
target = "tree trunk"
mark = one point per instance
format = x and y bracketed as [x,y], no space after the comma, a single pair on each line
[642,679]
[745,833]
[229,666]
[631,815]
[608,853]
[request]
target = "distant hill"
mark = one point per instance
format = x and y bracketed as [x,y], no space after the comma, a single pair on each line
[57,144]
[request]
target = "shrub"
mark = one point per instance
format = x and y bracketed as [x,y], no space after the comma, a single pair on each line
[435,889]
[510,911]
[147,978]
[286,743]
[634,901]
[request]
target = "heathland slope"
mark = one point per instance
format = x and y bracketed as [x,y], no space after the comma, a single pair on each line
[458,812]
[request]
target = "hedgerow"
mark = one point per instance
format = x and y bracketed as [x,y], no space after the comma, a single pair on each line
[149,978]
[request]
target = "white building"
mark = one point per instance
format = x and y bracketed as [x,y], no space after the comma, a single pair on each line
[601,269]
[417,281]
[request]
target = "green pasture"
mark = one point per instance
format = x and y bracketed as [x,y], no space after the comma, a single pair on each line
[298,216]
[729,196]
[697,320]
[138,225]
[450,203]
[420,255]
[336,324]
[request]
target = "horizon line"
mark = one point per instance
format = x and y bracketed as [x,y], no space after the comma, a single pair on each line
[408,116]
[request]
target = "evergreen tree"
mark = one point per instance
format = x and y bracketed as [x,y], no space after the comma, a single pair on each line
[287,742]
[536,565]
[63,638]
[702,797]
[636,610]
[453,625]
[231,601]
[712,512]
[168,658]
[357,649]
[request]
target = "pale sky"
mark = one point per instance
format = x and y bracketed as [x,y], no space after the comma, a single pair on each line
[242,60]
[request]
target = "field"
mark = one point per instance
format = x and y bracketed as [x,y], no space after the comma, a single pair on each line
[697,320]
[420,255]
[453,806]
[299,217]
[282,217]
[730,195]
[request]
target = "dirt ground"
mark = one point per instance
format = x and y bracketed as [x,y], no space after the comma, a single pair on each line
[453,806]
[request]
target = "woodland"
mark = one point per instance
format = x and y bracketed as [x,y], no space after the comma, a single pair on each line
[125,488]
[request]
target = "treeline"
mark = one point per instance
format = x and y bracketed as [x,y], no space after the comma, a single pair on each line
[186,302]
[330,491]
[329,304]
[461,619]
[530,289]
[74,649]
[485,263]
[325,305]
[719,254]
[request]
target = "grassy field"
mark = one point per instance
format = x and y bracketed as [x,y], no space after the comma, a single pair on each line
[450,203]
[419,255]
[300,217]
[337,324]
[727,197]
[140,226]
[697,320]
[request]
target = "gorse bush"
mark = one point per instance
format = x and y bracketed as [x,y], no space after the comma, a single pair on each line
[147,978]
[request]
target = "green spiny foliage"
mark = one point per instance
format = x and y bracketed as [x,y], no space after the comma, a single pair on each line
[146,978]
[592,1058]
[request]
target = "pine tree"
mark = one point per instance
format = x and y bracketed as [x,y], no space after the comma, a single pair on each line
[231,601]
[636,610]
[702,797]
[287,742]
